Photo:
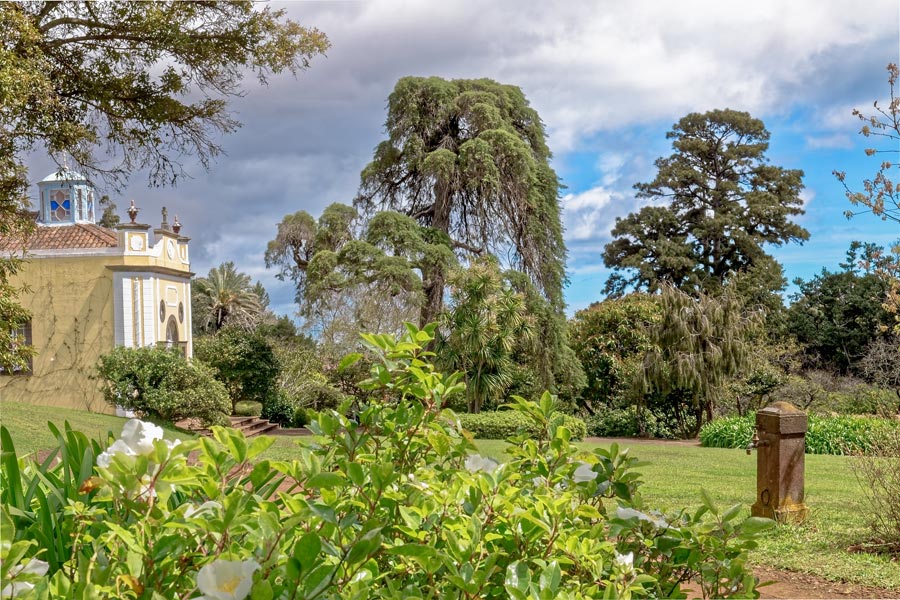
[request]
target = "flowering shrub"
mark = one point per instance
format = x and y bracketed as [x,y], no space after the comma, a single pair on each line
[396,505]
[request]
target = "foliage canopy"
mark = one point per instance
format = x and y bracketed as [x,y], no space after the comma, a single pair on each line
[469,159]
[724,202]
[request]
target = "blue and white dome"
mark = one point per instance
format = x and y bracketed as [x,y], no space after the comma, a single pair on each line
[67,198]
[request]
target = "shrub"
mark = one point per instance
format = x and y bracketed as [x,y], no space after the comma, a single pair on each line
[303,416]
[278,408]
[161,383]
[320,396]
[248,409]
[878,472]
[374,509]
[826,435]
[503,424]
[244,361]
[627,422]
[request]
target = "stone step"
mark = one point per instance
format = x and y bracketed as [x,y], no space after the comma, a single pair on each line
[249,426]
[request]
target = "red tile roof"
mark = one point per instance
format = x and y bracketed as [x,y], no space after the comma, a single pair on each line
[60,237]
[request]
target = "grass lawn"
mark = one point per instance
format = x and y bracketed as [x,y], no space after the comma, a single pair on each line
[676,473]
[27,425]
[672,480]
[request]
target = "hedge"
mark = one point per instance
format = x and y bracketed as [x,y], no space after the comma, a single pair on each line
[844,434]
[499,425]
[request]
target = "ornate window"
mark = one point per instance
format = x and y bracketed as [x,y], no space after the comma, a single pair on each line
[90,207]
[162,311]
[79,206]
[60,206]
[181,312]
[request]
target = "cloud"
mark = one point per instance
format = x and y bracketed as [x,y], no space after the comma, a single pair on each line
[833,140]
[596,72]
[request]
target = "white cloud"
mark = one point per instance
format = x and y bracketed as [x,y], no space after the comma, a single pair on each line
[587,67]
[832,140]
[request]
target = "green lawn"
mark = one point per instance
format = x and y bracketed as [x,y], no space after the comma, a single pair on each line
[676,473]
[673,478]
[27,425]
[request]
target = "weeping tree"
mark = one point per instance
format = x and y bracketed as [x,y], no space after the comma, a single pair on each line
[469,159]
[695,346]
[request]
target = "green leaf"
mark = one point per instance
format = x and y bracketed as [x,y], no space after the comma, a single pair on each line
[307,549]
[325,480]
[348,361]
[518,580]
[708,501]
[262,591]
[355,473]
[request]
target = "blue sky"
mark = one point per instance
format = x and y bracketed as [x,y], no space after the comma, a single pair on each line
[609,79]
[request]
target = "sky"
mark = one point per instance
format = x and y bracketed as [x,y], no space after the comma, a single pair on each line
[609,79]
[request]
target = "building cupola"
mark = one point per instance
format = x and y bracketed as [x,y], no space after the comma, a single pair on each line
[67,198]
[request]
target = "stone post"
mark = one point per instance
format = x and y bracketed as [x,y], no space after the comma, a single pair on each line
[781,448]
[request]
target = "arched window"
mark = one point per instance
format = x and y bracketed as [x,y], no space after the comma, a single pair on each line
[78,205]
[171,333]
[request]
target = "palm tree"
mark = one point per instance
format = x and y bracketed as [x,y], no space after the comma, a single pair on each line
[481,329]
[226,296]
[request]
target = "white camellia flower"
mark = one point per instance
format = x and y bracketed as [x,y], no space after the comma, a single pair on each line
[625,560]
[584,472]
[137,439]
[476,462]
[226,579]
[34,566]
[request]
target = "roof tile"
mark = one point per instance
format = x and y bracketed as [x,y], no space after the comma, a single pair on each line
[63,237]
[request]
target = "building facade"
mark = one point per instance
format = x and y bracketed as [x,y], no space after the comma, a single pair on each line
[90,288]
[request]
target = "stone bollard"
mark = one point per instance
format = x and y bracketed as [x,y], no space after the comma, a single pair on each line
[780,442]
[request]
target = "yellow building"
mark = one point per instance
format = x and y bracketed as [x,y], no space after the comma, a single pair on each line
[92,288]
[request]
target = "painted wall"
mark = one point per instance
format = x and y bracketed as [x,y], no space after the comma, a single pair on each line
[71,302]
[84,302]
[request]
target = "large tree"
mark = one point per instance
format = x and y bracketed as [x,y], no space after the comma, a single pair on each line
[724,201]
[469,158]
[145,82]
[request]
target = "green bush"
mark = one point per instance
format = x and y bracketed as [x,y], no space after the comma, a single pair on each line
[303,416]
[320,396]
[278,408]
[244,361]
[500,425]
[161,383]
[843,434]
[248,408]
[392,506]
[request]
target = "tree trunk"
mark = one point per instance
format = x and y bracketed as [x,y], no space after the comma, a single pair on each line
[435,277]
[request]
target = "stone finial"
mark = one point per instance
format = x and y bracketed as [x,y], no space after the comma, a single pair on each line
[176,225]
[165,219]
[132,211]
